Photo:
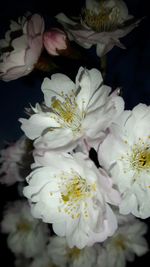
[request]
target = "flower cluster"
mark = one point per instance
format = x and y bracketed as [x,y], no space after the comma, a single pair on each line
[82,166]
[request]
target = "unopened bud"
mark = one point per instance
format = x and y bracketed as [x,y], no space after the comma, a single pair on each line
[55,41]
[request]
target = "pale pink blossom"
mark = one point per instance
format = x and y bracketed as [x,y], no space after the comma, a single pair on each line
[55,40]
[102,24]
[15,162]
[20,54]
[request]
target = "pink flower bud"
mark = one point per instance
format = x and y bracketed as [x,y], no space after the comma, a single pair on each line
[55,40]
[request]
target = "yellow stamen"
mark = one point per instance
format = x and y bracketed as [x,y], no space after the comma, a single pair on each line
[120,243]
[74,253]
[105,20]
[23,227]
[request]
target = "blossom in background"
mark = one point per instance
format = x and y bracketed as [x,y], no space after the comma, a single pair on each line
[125,154]
[72,195]
[21,48]
[55,41]
[22,261]
[15,161]
[26,235]
[42,260]
[63,256]
[73,112]
[102,24]
[127,242]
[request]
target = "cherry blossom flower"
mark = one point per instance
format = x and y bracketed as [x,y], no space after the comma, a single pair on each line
[73,112]
[15,161]
[26,235]
[63,256]
[102,24]
[127,242]
[72,195]
[21,48]
[125,154]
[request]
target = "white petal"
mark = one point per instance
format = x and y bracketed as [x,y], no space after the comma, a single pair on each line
[36,124]
[55,86]
[88,82]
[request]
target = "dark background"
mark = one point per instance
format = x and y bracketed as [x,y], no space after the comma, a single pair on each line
[129,69]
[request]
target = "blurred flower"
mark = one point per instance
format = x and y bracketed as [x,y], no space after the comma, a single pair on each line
[22,261]
[15,161]
[63,256]
[42,260]
[73,112]
[127,242]
[102,24]
[55,41]
[26,235]
[125,154]
[21,48]
[72,195]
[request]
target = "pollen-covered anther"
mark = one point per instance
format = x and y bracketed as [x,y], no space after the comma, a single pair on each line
[68,113]
[73,192]
[140,159]
[105,20]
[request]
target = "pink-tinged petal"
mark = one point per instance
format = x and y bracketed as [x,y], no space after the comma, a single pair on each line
[14,59]
[35,25]
[112,195]
[55,40]
[27,48]
[34,50]
[20,44]
[15,73]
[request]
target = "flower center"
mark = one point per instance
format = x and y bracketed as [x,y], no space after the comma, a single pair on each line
[68,113]
[23,226]
[140,159]
[74,193]
[74,253]
[105,20]
[76,190]
[120,242]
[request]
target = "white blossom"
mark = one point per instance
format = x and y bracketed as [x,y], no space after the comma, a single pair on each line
[72,194]
[26,235]
[125,154]
[102,24]
[127,242]
[73,112]
[22,47]
[63,256]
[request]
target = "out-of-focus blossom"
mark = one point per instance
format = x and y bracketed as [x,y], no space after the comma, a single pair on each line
[26,236]
[22,261]
[127,242]
[55,41]
[102,24]
[43,260]
[72,195]
[125,154]
[15,161]
[73,112]
[63,256]
[21,48]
